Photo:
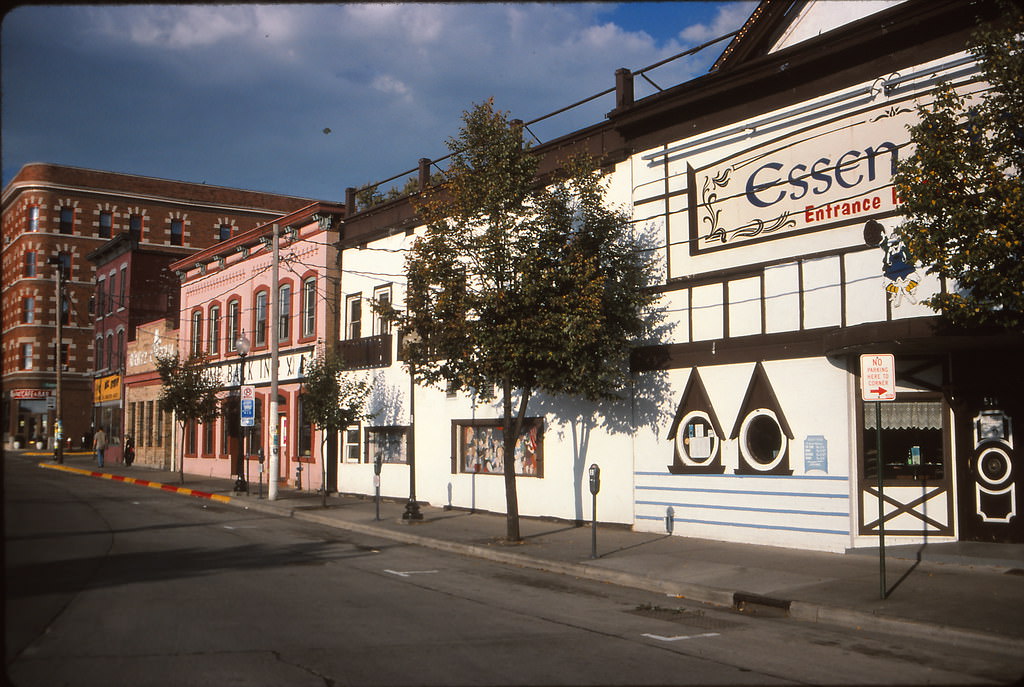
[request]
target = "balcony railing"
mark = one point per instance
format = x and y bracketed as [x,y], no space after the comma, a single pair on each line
[367,352]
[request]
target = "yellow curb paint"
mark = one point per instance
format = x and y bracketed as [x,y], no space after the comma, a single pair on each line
[132,480]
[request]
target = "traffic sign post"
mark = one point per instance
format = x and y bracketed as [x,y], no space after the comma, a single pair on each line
[248,409]
[878,385]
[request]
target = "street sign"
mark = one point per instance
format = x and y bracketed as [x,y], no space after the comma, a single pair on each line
[248,412]
[249,392]
[878,377]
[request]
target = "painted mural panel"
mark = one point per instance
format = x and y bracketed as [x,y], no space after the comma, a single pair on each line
[750,456]
[480,448]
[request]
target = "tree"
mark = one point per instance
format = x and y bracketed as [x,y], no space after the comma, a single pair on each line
[521,288]
[189,392]
[963,200]
[330,401]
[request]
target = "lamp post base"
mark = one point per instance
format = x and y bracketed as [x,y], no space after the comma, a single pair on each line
[412,511]
[241,485]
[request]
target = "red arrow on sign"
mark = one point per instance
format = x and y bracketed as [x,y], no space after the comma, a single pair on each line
[878,392]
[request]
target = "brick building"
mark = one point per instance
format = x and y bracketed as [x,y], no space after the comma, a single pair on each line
[151,429]
[53,212]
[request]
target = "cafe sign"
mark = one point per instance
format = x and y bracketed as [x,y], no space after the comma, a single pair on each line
[106,389]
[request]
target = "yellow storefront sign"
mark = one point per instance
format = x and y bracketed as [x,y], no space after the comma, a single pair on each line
[107,389]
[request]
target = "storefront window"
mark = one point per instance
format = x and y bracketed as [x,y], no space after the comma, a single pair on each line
[911,438]
[388,444]
[481,448]
[304,440]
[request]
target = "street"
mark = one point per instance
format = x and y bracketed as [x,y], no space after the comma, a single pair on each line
[115,584]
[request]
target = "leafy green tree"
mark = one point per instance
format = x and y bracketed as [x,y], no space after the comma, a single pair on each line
[518,287]
[963,200]
[330,401]
[189,392]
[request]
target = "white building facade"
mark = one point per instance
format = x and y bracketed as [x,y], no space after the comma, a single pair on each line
[768,184]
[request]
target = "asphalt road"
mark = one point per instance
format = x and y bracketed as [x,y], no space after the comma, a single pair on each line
[113,584]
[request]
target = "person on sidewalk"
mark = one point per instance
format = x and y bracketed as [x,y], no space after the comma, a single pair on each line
[129,450]
[99,444]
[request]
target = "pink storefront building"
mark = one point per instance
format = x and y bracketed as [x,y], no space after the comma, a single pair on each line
[227,294]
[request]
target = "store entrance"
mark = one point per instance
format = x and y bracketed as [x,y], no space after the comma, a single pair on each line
[989,409]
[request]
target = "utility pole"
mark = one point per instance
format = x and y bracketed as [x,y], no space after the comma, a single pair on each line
[275,435]
[58,421]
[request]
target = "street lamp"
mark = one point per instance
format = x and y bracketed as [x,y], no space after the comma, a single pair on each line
[242,345]
[412,508]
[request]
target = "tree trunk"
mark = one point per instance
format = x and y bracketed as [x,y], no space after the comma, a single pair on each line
[323,467]
[511,498]
[512,428]
[181,456]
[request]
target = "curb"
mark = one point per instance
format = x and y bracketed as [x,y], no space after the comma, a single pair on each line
[141,482]
[736,599]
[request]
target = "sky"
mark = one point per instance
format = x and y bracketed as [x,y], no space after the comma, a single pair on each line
[308,99]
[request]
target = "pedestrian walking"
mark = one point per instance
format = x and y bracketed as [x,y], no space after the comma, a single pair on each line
[129,450]
[99,444]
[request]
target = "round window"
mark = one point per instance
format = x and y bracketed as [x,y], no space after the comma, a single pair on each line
[762,442]
[696,439]
[994,466]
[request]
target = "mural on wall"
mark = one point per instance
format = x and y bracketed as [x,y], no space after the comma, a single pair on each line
[763,433]
[900,273]
[901,276]
[481,448]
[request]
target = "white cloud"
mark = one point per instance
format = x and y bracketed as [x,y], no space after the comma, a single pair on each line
[183,27]
[729,18]
[385,83]
[263,81]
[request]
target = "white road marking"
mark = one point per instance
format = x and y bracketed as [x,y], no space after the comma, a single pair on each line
[679,637]
[406,573]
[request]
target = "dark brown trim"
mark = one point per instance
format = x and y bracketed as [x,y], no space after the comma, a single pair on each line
[911,33]
[924,335]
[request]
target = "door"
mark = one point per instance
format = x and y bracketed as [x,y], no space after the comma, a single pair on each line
[989,458]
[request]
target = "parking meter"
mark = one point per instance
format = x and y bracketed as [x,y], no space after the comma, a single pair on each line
[377,462]
[595,486]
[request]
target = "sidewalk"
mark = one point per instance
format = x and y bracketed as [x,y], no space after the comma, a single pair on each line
[966,593]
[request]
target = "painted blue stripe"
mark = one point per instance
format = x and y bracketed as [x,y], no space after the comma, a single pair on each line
[843,478]
[835,514]
[747,492]
[744,524]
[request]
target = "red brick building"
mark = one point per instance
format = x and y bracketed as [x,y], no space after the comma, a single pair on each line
[53,212]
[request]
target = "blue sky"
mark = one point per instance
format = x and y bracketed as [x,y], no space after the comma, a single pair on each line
[242,95]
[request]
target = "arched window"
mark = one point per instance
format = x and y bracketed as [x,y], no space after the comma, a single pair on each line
[260,324]
[309,306]
[213,331]
[284,312]
[196,341]
[234,311]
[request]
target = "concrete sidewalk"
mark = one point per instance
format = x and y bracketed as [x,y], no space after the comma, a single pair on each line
[966,593]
